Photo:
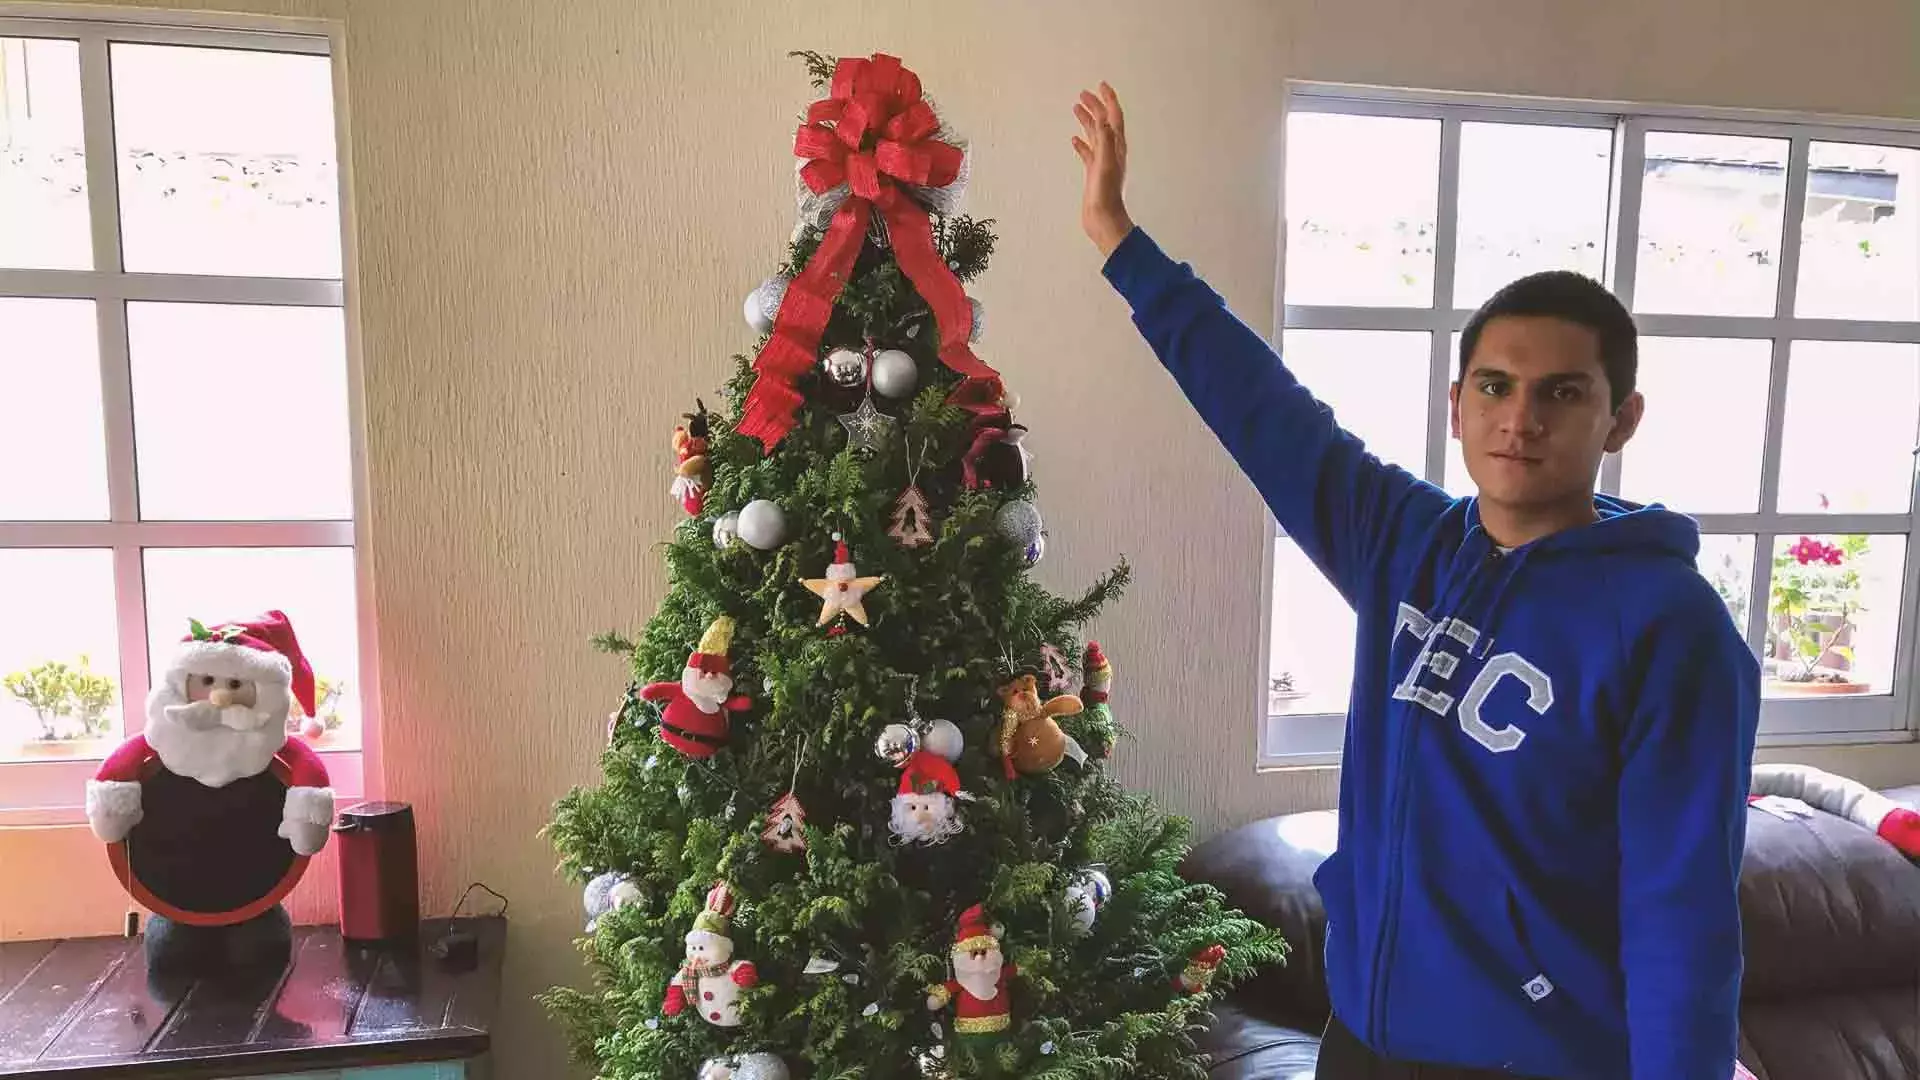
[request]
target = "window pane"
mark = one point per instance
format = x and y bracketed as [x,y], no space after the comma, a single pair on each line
[53,455]
[59,657]
[1860,244]
[1710,222]
[1833,617]
[1361,199]
[1852,409]
[227,162]
[43,164]
[206,379]
[1456,479]
[1311,664]
[1531,198]
[1698,448]
[1727,562]
[314,586]
[1375,381]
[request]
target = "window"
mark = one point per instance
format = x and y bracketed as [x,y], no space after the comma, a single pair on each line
[1774,268]
[175,411]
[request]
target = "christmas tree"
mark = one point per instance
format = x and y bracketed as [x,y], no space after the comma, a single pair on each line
[856,818]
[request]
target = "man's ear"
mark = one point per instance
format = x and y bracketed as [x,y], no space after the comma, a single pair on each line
[1453,408]
[1626,421]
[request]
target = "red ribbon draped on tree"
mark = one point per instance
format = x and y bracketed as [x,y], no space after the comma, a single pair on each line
[873,133]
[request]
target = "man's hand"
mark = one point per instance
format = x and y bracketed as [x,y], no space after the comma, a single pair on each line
[1102,146]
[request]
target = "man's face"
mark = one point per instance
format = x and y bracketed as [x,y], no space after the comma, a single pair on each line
[1534,413]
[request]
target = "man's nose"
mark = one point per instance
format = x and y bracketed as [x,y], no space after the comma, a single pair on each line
[1521,415]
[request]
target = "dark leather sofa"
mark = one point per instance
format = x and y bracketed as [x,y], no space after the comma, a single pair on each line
[1831,915]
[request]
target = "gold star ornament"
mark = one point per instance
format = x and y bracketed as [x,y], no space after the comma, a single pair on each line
[842,591]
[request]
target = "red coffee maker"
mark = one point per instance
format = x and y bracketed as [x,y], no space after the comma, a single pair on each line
[379,872]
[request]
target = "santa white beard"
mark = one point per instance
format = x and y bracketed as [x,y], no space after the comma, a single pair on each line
[924,819]
[204,742]
[706,689]
[978,973]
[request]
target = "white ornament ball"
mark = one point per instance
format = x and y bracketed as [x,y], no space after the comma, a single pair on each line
[605,892]
[979,319]
[895,744]
[895,375]
[1019,521]
[1010,401]
[726,529]
[763,303]
[759,1065]
[846,368]
[762,524]
[944,738]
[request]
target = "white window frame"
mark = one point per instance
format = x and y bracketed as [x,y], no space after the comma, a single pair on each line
[35,793]
[1315,739]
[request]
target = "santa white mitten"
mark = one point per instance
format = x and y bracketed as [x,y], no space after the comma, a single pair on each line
[113,808]
[1842,797]
[307,818]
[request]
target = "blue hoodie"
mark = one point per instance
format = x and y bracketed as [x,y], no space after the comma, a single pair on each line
[1545,770]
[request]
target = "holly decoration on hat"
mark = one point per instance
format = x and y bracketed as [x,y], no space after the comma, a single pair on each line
[842,591]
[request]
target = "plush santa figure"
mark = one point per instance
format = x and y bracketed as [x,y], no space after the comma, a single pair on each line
[710,978]
[978,989]
[1775,787]
[1198,974]
[213,810]
[695,721]
[924,811]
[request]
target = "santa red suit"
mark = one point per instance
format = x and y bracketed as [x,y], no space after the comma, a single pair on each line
[695,720]
[214,809]
[978,990]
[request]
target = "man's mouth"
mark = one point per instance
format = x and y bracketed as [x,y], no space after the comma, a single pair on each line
[1515,457]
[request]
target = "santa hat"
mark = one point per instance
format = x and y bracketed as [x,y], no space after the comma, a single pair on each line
[716,920]
[263,651]
[973,934]
[711,655]
[1099,675]
[842,568]
[927,773]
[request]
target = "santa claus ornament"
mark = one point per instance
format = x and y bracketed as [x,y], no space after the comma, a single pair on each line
[692,474]
[211,813]
[978,989]
[925,810]
[1197,976]
[695,720]
[710,979]
[843,591]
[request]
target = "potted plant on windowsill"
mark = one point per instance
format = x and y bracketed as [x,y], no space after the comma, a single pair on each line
[71,703]
[1281,692]
[1815,596]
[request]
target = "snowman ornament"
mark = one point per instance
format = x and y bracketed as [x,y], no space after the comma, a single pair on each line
[710,979]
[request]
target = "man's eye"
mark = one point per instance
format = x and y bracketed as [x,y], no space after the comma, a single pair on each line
[1566,393]
[1493,389]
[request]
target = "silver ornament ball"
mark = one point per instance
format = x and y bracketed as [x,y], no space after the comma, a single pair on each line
[846,368]
[762,524]
[895,375]
[895,744]
[758,1065]
[763,303]
[1019,521]
[979,319]
[726,529]
[945,739]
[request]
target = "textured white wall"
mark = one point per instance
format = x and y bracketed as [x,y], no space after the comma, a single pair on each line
[558,208]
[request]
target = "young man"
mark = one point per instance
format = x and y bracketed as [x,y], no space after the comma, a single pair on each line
[1542,802]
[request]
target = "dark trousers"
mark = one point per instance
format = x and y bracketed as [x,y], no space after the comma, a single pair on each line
[1344,1057]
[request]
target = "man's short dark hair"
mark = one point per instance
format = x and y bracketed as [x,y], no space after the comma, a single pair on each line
[1578,299]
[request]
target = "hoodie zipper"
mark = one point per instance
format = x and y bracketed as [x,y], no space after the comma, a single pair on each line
[1387,941]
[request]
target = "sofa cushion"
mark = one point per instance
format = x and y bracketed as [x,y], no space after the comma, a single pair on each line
[1825,907]
[1241,1046]
[1869,1035]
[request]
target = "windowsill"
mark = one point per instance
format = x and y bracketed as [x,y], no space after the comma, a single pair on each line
[50,792]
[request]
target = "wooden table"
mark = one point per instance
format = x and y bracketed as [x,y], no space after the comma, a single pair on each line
[84,1008]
